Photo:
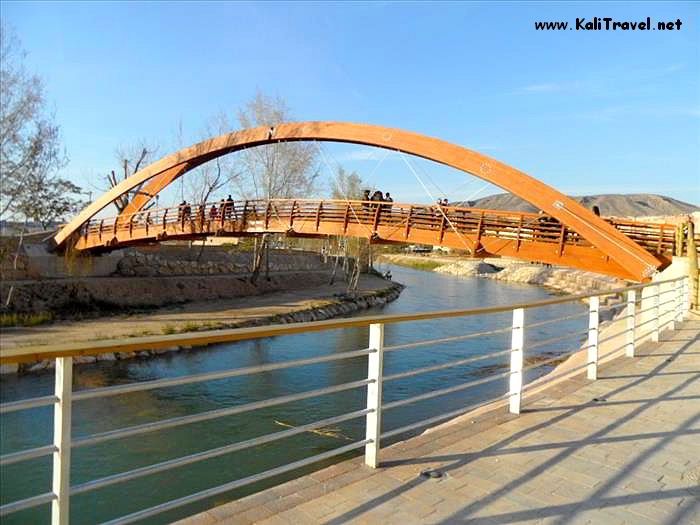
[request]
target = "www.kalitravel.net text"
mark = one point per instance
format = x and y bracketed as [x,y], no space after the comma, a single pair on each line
[610,24]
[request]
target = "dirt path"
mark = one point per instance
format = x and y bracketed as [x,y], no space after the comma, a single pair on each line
[187,317]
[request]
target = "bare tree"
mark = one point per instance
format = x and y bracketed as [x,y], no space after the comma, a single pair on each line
[282,170]
[131,159]
[48,199]
[207,180]
[347,185]
[30,147]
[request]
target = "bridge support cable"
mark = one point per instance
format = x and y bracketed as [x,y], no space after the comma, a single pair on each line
[472,249]
[345,197]
[352,277]
[458,187]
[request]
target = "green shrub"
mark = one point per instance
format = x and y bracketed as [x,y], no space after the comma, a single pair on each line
[14,319]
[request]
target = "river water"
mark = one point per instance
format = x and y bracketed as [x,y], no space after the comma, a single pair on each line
[424,291]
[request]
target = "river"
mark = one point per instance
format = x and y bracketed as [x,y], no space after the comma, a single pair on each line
[424,291]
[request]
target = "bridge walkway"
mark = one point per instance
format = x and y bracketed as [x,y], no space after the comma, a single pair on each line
[622,449]
[527,236]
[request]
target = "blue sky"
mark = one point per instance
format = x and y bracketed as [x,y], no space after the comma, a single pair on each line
[588,112]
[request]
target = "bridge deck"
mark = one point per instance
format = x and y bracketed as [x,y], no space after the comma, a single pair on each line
[527,236]
[633,458]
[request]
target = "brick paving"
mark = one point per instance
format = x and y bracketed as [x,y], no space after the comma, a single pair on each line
[633,457]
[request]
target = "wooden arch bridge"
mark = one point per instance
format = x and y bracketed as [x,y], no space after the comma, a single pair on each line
[568,234]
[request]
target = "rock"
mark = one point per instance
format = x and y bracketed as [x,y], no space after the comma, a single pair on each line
[109,356]
[83,359]
[9,368]
[38,367]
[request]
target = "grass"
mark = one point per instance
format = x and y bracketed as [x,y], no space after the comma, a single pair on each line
[14,319]
[420,265]
[189,326]
[169,329]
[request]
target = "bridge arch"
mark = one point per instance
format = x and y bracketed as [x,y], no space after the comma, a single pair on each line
[160,174]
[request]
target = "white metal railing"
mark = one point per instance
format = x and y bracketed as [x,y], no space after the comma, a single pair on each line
[662,304]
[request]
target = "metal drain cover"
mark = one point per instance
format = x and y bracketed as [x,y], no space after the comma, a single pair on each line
[431,474]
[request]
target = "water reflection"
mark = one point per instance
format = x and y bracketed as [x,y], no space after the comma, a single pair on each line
[425,291]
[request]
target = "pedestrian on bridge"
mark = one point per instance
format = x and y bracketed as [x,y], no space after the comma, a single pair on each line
[228,207]
[387,198]
[366,206]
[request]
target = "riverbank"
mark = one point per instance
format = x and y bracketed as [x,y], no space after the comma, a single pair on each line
[565,280]
[300,305]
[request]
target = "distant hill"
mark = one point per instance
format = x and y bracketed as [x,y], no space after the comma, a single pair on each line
[617,205]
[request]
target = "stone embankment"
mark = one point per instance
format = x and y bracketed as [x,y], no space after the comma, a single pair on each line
[564,280]
[163,263]
[147,279]
[67,298]
[307,311]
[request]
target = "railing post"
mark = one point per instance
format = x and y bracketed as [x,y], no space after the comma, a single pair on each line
[593,321]
[516,360]
[678,304]
[631,321]
[375,365]
[657,322]
[60,507]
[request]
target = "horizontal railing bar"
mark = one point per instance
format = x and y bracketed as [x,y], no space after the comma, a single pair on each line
[647,322]
[24,455]
[213,414]
[27,503]
[36,353]
[667,291]
[442,392]
[549,378]
[672,301]
[561,357]
[24,404]
[451,364]
[642,336]
[549,321]
[646,310]
[545,342]
[446,339]
[623,318]
[208,454]
[435,419]
[213,376]
[192,498]
[613,307]
[615,335]
[611,352]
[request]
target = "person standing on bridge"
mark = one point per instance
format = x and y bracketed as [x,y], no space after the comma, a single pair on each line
[366,206]
[387,198]
[377,197]
[229,207]
[181,210]
[213,212]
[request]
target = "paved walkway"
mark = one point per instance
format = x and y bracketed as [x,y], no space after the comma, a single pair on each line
[623,449]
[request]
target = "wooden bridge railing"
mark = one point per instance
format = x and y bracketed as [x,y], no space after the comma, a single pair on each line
[314,217]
